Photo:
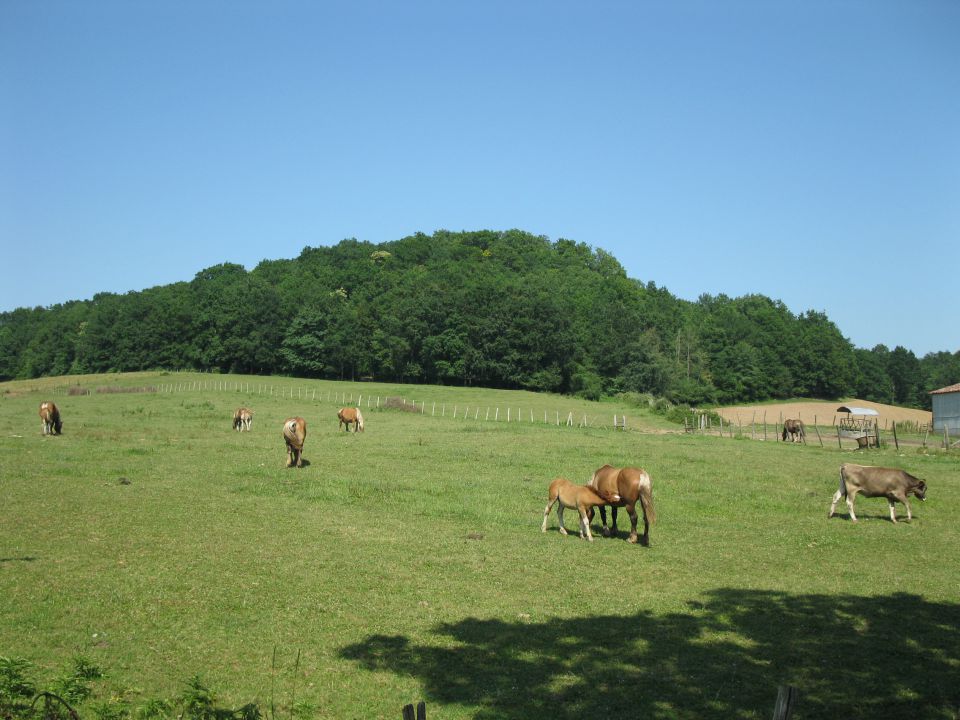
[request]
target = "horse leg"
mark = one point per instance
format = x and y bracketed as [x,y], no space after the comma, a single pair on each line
[603,520]
[613,521]
[563,530]
[585,525]
[632,512]
[546,512]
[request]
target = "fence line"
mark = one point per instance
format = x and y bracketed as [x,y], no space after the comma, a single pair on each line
[302,393]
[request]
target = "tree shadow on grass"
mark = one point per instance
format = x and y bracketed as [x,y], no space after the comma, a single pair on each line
[892,656]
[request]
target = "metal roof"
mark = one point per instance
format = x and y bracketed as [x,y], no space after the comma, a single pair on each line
[947,389]
[857,410]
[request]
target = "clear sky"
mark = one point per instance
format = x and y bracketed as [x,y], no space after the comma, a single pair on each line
[808,150]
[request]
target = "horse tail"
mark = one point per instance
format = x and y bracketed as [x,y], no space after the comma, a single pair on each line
[803,429]
[359,420]
[646,501]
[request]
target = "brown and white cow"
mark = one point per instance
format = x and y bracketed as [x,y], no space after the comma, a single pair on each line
[242,419]
[891,483]
[294,433]
[50,422]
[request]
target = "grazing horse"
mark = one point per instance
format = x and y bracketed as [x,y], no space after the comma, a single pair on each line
[294,433]
[349,415]
[583,499]
[242,419]
[631,485]
[795,429]
[50,422]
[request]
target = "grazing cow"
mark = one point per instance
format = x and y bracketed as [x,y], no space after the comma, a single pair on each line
[294,433]
[795,429]
[564,494]
[50,422]
[891,483]
[631,485]
[242,419]
[349,415]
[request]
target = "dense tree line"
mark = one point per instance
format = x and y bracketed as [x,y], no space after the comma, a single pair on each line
[496,309]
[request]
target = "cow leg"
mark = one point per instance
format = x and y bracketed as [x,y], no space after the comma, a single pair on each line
[850,498]
[563,530]
[907,504]
[833,506]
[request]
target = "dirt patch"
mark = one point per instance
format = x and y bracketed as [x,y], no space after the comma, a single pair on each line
[825,413]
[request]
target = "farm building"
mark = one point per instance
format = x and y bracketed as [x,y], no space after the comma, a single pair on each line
[946,408]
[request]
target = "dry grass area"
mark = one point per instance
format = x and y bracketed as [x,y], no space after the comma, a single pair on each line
[824,412]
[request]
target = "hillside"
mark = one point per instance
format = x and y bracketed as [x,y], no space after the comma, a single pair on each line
[494,309]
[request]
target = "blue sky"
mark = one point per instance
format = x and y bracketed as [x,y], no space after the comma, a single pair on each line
[808,151]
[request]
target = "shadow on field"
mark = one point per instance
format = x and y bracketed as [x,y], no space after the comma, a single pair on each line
[893,656]
[25,558]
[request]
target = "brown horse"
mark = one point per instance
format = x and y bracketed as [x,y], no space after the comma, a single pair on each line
[631,485]
[583,499]
[349,415]
[294,433]
[50,422]
[242,419]
[795,429]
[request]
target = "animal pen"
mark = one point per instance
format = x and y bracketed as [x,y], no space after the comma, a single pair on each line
[860,424]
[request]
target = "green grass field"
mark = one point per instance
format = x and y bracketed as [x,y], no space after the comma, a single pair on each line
[407,562]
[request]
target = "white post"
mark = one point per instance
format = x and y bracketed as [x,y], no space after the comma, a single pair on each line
[487,417]
[443,410]
[477,413]
[508,414]
[433,410]
[495,419]
[360,401]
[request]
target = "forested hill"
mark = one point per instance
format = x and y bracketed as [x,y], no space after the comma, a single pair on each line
[498,309]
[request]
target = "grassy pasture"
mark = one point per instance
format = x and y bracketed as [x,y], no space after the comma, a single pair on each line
[406,562]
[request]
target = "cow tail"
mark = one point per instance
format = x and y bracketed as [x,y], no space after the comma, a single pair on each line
[843,483]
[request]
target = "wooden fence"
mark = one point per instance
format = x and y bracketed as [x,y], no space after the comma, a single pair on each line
[455,411]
